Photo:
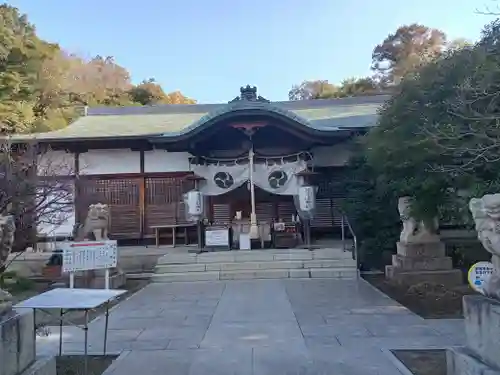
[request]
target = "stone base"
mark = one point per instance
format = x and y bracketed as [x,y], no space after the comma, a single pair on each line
[460,361]
[482,328]
[449,278]
[17,343]
[416,250]
[415,263]
[421,263]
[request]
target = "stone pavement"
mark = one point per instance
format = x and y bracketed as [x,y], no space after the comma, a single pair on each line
[259,327]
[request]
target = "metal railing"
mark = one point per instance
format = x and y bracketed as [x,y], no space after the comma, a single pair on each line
[345,223]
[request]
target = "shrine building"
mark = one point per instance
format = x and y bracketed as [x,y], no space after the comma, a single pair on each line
[247,157]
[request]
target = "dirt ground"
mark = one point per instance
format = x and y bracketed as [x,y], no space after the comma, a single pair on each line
[430,301]
[76,317]
[74,364]
[423,362]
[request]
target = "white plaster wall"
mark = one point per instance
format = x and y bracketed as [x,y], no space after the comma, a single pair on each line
[63,229]
[164,161]
[331,156]
[110,162]
[56,163]
[57,221]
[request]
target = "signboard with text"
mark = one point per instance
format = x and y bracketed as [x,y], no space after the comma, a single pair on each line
[217,237]
[89,255]
[479,274]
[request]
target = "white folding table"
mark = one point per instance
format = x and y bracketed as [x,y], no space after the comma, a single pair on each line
[68,299]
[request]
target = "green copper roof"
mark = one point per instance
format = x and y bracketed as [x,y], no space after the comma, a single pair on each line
[175,120]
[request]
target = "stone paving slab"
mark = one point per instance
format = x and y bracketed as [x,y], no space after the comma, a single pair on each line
[259,327]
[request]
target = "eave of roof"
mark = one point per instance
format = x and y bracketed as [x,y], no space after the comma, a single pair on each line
[317,116]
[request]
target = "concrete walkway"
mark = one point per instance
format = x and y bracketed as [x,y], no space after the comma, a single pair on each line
[260,327]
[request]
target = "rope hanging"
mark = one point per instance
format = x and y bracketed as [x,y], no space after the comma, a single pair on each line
[267,160]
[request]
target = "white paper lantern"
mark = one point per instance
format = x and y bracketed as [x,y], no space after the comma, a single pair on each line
[194,203]
[307,198]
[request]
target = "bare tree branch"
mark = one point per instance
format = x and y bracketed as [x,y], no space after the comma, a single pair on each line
[37,185]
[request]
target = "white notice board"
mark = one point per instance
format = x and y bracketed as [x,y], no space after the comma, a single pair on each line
[217,237]
[89,255]
[245,243]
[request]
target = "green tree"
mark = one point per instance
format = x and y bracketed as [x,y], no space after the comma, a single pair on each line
[21,57]
[359,87]
[322,89]
[372,211]
[473,108]
[439,132]
[405,51]
[149,92]
[42,86]
[308,90]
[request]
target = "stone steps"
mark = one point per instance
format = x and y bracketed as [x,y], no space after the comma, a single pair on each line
[255,264]
[311,273]
[253,255]
[249,266]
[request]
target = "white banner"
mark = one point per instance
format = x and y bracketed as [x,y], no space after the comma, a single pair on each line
[220,179]
[279,178]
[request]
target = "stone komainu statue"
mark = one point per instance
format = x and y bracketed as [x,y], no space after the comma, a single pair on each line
[7,231]
[486,214]
[415,231]
[96,223]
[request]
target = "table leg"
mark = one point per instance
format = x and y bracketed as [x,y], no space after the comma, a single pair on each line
[34,329]
[186,239]
[173,236]
[157,237]
[106,328]
[60,330]
[86,333]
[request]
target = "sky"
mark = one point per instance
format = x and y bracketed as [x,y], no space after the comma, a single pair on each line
[207,49]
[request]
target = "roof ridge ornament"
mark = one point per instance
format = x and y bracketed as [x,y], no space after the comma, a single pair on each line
[249,94]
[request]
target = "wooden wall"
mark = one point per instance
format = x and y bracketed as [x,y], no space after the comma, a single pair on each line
[136,203]
[140,201]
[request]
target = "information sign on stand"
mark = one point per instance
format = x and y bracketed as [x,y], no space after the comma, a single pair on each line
[479,274]
[217,238]
[89,255]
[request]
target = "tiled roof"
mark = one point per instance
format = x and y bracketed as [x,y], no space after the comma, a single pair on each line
[172,120]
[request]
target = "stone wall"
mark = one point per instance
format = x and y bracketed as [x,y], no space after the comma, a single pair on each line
[133,259]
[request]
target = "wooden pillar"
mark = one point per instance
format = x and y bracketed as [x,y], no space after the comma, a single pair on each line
[76,186]
[142,196]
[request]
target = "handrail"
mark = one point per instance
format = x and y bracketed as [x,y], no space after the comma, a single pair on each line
[354,250]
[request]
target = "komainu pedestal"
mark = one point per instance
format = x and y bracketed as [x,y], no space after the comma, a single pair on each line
[17,343]
[416,263]
[481,355]
[420,254]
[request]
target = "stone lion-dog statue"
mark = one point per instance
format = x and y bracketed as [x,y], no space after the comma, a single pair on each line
[415,231]
[96,223]
[486,214]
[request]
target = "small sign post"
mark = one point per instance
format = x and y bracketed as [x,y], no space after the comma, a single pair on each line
[89,255]
[479,274]
[217,238]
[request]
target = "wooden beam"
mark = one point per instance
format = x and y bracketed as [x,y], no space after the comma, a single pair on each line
[132,175]
[142,161]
